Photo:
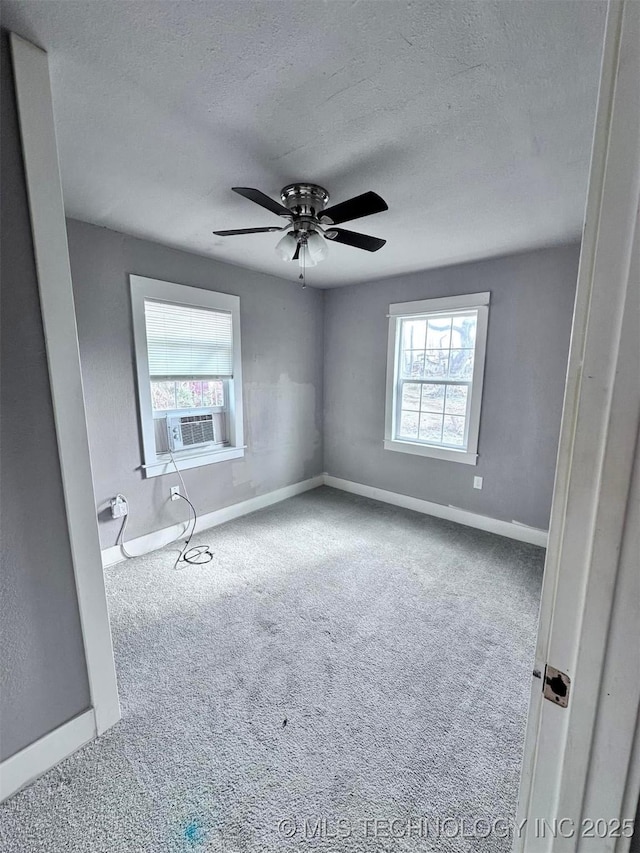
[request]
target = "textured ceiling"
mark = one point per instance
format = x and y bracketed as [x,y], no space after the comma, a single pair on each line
[472,119]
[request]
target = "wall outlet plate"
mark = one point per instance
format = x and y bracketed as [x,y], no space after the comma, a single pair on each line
[174,492]
[119,507]
[477,482]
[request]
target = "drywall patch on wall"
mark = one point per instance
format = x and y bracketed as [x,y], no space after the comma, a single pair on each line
[283,428]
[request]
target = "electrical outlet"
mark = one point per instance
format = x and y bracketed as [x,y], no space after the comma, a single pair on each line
[477,482]
[175,493]
[119,507]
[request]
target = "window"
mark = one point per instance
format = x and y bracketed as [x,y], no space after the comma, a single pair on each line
[435,365]
[187,343]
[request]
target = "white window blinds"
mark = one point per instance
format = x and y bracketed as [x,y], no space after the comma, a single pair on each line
[187,342]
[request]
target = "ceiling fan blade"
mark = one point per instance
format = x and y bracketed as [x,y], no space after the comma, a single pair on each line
[263,200]
[234,231]
[359,241]
[354,208]
[297,253]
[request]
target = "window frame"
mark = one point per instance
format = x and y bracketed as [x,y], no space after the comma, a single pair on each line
[399,311]
[158,414]
[155,464]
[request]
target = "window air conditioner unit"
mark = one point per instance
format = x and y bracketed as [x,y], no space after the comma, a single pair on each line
[190,431]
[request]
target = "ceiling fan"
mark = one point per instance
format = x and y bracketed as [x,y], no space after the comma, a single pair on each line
[310,222]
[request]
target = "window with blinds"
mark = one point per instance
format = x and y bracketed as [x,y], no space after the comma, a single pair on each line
[189,370]
[186,342]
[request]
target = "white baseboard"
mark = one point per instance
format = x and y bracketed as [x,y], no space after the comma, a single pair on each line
[158,539]
[511,529]
[152,541]
[34,760]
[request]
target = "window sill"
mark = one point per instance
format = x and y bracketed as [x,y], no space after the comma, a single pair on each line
[444,453]
[184,460]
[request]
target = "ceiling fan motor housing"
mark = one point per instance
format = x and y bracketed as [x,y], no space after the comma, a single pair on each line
[306,203]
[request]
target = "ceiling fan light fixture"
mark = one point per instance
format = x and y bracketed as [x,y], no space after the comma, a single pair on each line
[305,258]
[286,248]
[316,247]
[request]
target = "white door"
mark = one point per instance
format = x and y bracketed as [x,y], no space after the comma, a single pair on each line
[580,772]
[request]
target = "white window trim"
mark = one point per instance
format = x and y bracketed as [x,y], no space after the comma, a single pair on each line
[155,464]
[478,302]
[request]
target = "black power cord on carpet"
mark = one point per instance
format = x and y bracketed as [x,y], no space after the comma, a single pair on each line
[199,554]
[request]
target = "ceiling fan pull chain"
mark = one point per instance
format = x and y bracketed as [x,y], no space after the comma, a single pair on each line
[302,276]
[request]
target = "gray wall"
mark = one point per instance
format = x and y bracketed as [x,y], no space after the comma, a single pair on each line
[286,344]
[282,347]
[44,678]
[527,347]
